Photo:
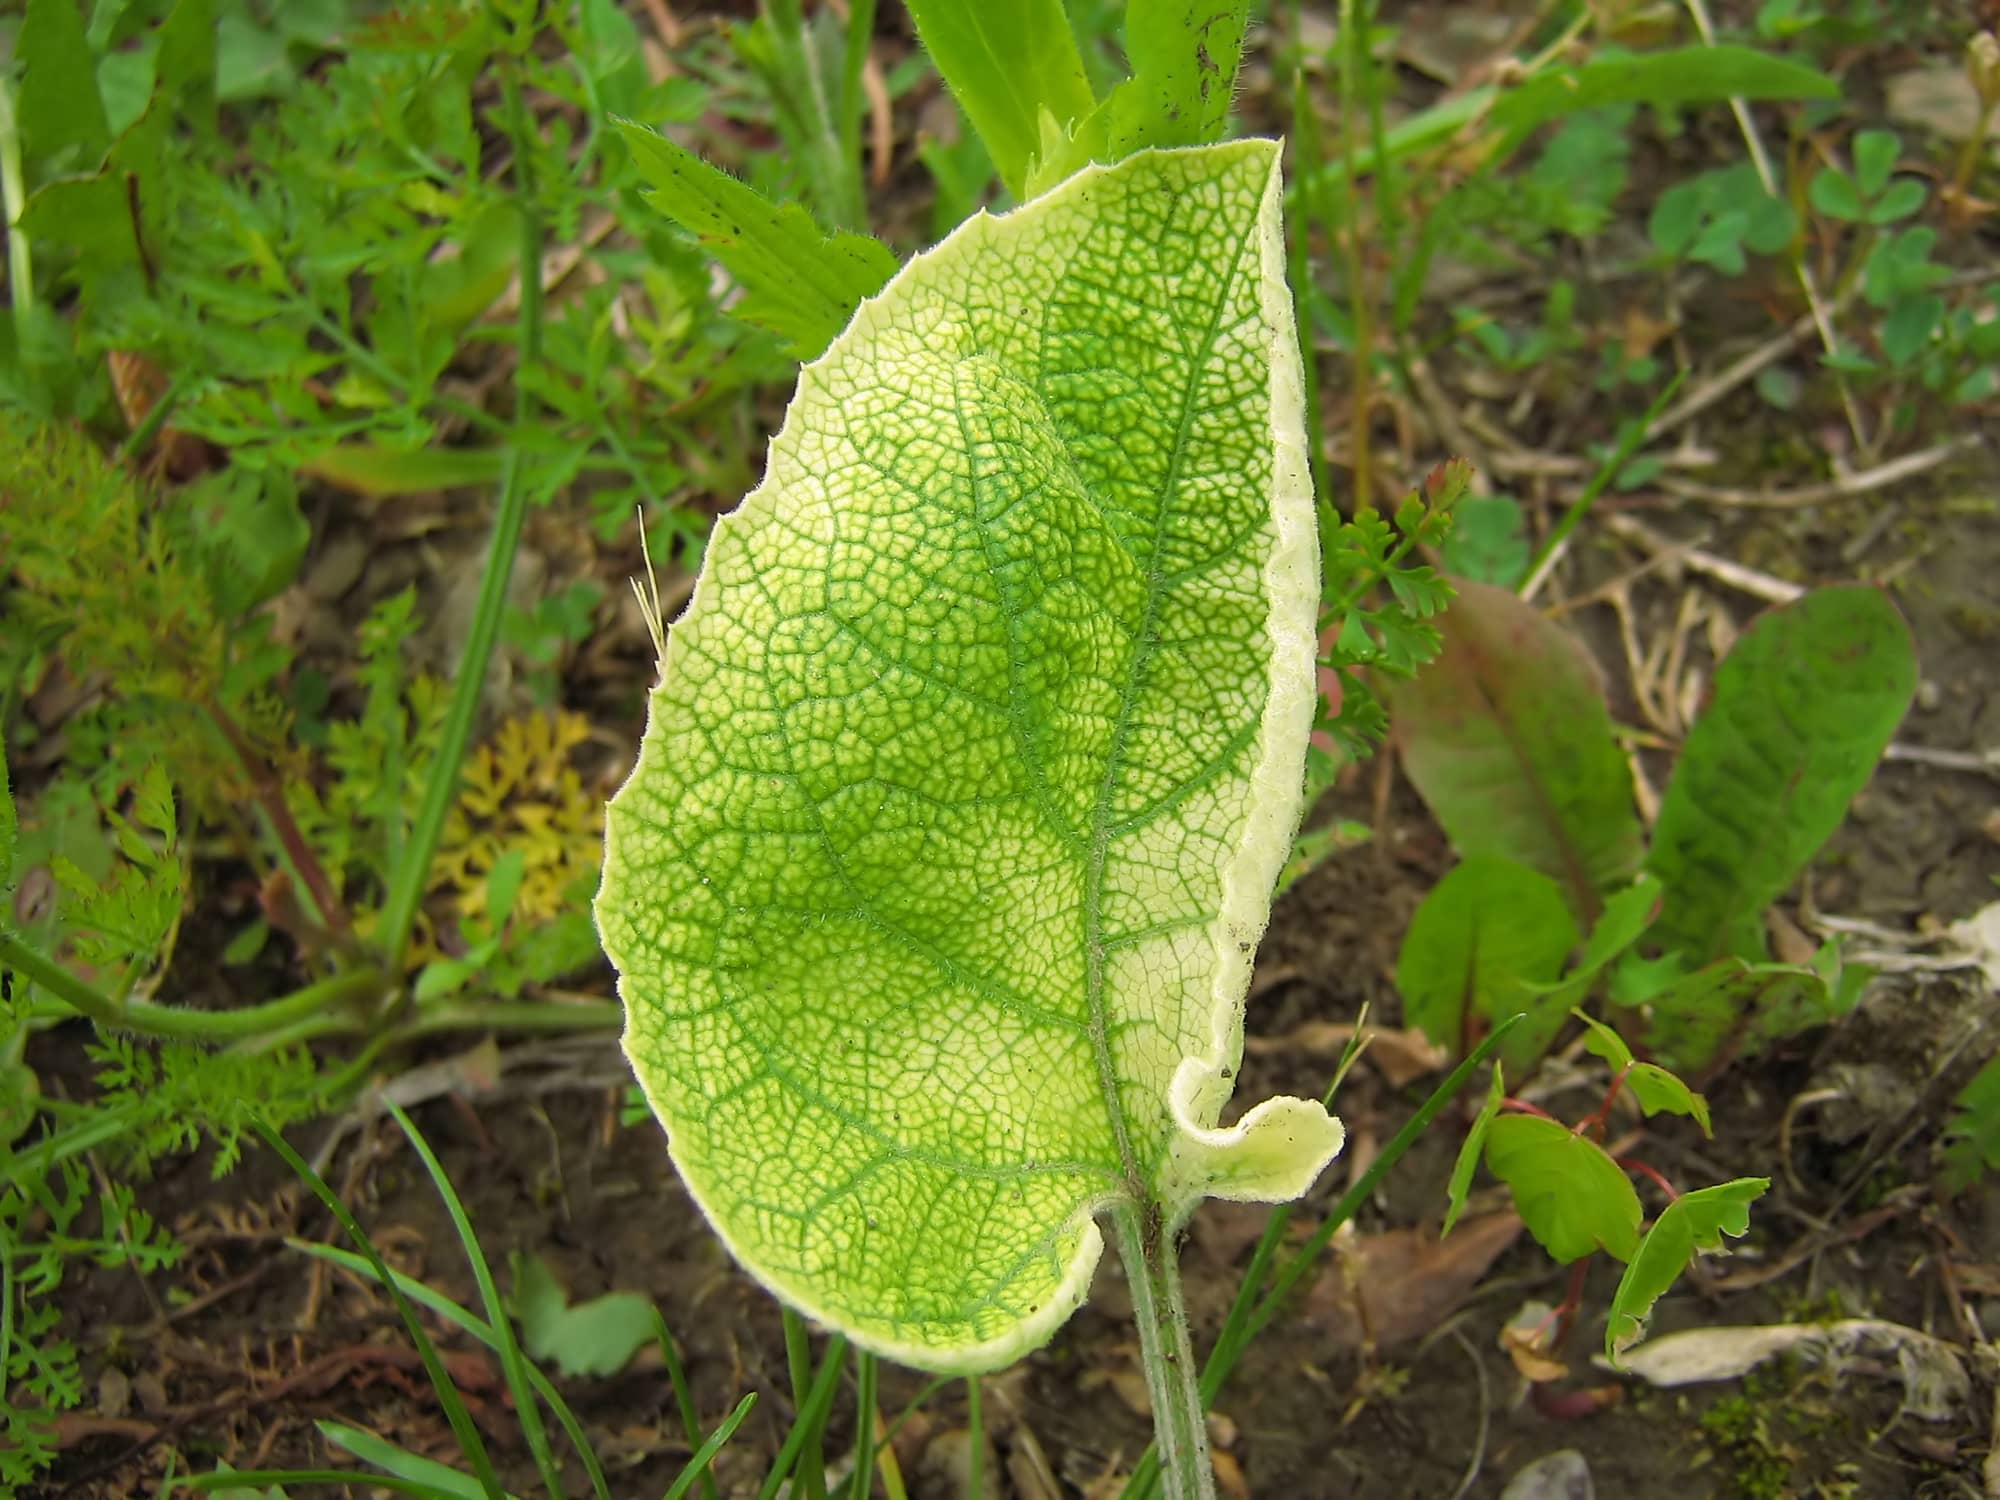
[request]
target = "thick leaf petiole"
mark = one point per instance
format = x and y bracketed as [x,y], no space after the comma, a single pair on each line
[1152,1271]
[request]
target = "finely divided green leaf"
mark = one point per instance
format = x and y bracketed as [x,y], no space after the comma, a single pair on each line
[1468,1154]
[1009,65]
[1507,737]
[1573,1197]
[598,1337]
[797,281]
[1694,1222]
[1802,709]
[1487,933]
[972,763]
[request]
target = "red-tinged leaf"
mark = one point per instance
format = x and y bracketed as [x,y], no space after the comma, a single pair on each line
[1507,737]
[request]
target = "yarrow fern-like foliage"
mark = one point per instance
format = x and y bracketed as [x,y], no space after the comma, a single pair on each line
[972,764]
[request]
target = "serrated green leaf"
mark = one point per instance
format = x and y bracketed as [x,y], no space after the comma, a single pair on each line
[1800,713]
[797,281]
[1571,1195]
[1484,935]
[1507,737]
[1659,1091]
[972,763]
[1694,1222]
[1010,66]
[598,1337]
[1183,55]
[1460,1186]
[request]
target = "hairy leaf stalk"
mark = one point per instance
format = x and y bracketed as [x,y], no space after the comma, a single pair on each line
[1180,1424]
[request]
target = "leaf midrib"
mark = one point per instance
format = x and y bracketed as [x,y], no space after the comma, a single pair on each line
[1100,824]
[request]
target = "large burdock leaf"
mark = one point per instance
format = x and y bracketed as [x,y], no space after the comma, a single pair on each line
[972,764]
[1507,737]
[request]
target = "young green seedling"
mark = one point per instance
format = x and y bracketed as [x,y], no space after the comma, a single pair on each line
[970,769]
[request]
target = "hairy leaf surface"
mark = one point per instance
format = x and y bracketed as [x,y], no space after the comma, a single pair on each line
[1802,709]
[972,764]
[1507,737]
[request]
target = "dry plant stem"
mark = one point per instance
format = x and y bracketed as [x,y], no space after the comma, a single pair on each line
[1821,316]
[1173,1379]
[1863,482]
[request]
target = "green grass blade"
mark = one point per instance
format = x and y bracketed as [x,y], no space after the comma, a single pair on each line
[344,1478]
[439,1479]
[864,1427]
[798,1360]
[512,1361]
[810,1421]
[704,1456]
[683,1395]
[471,1323]
[455,1412]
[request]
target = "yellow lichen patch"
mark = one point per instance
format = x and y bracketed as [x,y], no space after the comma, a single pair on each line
[522,792]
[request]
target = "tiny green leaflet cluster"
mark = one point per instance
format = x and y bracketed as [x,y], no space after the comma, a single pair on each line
[971,766]
[1508,740]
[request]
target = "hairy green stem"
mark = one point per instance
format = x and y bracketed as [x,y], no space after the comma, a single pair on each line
[1180,1424]
[406,890]
[14,197]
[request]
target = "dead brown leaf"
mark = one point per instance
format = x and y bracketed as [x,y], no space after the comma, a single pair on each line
[1399,1056]
[1387,1289]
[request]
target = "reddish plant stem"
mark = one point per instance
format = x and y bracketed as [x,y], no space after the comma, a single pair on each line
[1651,1174]
[1523,1107]
[271,797]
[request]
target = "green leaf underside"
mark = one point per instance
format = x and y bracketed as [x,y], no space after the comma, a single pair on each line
[797,281]
[1802,709]
[1486,935]
[973,761]
[1573,1197]
[1507,737]
[1694,1222]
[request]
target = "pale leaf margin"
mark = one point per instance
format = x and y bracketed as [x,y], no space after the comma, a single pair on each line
[1279,1147]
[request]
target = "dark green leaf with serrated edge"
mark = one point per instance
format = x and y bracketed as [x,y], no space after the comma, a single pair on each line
[1659,1091]
[1486,932]
[1570,1194]
[1507,737]
[1468,1154]
[797,281]
[1694,1222]
[1801,711]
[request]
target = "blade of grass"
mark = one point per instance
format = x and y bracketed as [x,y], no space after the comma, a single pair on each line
[442,1479]
[470,1322]
[232,1479]
[683,1394]
[810,1421]
[512,1361]
[975,1447]
[447,1392]
[704,1456]
[798,1359]
[1629,442]
[864,1426]
[412,871]
[1250,1313]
